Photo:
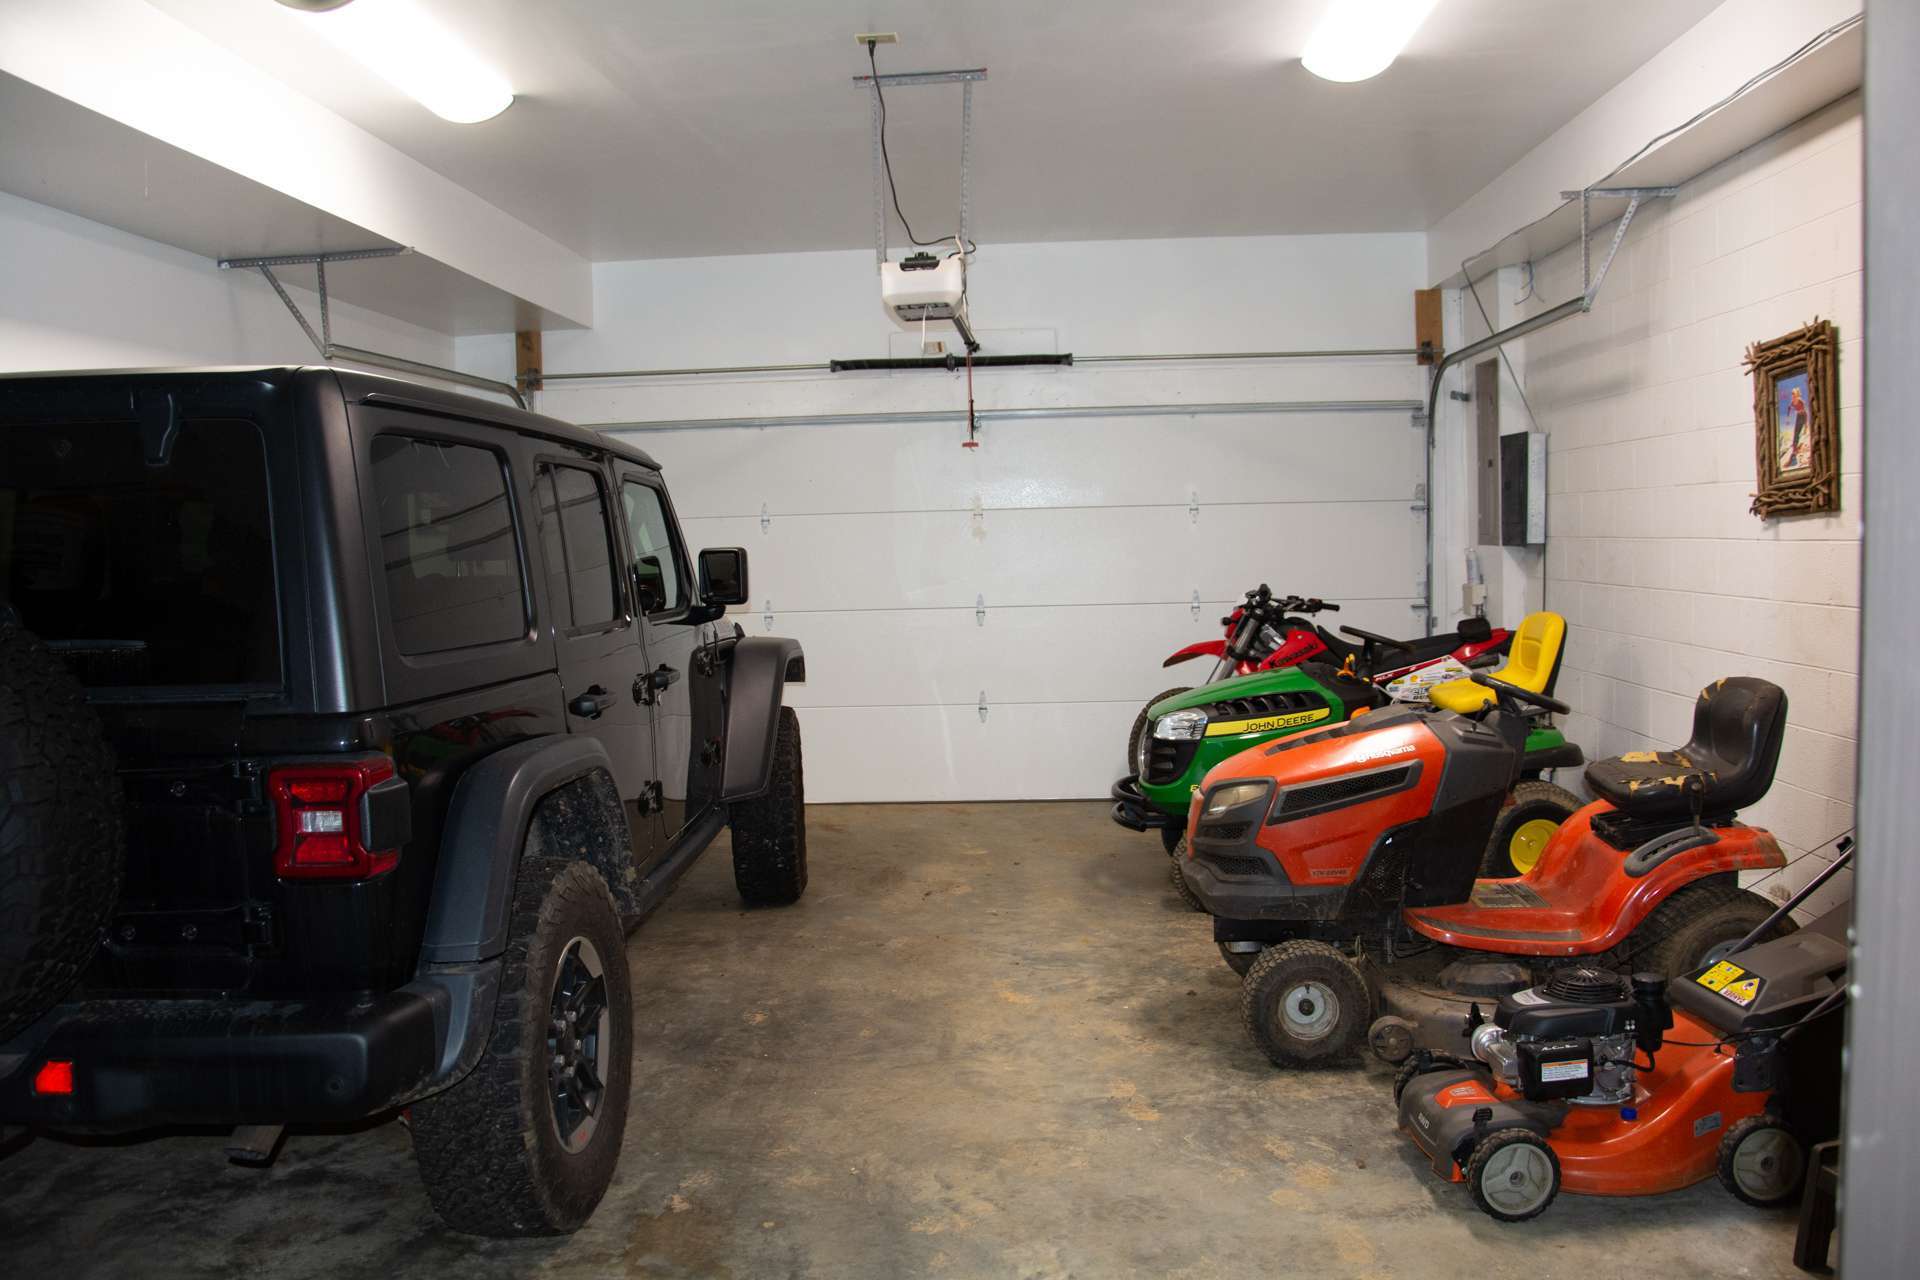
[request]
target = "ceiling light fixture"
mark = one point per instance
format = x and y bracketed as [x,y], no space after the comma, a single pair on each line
[401,43]
[1358,39]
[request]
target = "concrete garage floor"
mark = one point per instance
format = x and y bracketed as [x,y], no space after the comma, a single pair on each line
[989,1042]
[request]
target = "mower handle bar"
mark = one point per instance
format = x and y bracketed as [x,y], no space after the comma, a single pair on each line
[1502,689]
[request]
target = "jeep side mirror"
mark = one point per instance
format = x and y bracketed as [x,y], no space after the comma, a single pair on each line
[723,575]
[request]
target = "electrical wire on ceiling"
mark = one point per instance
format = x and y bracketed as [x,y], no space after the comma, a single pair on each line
[886,162]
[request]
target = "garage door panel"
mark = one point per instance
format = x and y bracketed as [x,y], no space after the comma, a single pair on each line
[1052,654]
[1123,461]
[1044,557]
[1051,752]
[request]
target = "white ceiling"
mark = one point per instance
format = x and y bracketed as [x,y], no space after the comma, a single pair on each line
[668,128]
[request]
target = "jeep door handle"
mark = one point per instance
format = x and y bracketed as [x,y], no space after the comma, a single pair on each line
[648,687]
[591,704]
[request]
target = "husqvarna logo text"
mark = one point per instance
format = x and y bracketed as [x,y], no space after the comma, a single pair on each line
[1382,753]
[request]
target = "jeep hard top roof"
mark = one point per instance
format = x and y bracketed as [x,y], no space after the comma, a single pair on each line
[92,393]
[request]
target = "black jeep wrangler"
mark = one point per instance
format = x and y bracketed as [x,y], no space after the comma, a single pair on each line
[346,726]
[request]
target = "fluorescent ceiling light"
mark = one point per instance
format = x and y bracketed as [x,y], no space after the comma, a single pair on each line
[401,43]
[1358,39]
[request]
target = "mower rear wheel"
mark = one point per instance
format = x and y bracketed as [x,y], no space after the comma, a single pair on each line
[1761,1162]
[1305,1004]
[1696,926]
[1180,885]
[1533,813]
[1513,1175]
[1140,721]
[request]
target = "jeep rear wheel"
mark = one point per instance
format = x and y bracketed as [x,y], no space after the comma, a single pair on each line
[770,831]
[526,1144]
[60,829]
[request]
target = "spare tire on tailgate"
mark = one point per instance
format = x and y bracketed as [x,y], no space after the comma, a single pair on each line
[60,829]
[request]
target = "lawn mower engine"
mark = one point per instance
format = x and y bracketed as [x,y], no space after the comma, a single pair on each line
[1569,1041]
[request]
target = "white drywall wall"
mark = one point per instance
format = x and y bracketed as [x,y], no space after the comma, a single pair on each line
[79,295]
[1666,580]
[1077,532]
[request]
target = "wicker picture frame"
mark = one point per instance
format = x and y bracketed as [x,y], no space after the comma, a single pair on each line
[1796,421]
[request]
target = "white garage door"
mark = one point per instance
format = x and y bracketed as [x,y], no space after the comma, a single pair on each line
[1045,575]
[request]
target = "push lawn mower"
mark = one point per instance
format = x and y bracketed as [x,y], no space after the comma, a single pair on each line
[1330,858]
[1194,731]
[1742,1076]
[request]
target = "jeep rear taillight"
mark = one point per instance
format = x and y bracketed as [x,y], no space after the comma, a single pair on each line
[323,820]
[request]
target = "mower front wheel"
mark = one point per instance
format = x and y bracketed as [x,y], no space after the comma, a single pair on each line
[1513,1175]
[1305,1004]
[1180,885]
[1174,841]
[1140,721]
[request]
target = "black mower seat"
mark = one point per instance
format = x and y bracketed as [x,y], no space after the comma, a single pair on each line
[1738,723]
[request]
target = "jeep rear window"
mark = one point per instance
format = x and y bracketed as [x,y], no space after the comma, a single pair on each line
[138,575]
[447,544]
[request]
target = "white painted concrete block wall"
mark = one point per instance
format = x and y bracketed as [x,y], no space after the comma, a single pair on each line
[76,294]
[1083,546]
[1666,580]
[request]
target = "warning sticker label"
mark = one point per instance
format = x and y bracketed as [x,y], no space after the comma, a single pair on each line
[1552,1072]
[1742,992]
[1717,978]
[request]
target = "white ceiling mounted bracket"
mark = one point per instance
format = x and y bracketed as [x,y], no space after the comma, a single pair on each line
[323,342]
[1590,281]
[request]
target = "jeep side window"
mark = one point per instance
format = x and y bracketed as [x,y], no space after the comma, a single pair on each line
[579,545]
[447,544]
[655,564]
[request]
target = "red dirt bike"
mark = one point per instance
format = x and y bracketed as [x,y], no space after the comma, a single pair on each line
[1265,632]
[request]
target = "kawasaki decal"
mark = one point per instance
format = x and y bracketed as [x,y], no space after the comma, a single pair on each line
[1267,724]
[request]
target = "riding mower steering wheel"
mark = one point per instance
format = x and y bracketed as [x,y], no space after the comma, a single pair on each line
[1503,691]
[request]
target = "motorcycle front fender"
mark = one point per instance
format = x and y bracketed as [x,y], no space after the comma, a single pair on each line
[1215,649]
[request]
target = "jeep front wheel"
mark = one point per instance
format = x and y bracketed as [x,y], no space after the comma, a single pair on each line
[770,831]
[526,1144]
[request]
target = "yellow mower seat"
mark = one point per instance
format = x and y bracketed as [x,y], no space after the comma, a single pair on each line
[1532,661]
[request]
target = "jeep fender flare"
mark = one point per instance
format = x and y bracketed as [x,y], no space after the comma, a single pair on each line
[487,821]
[760,667]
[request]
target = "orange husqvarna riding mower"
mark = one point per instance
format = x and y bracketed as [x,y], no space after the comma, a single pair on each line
[1344,862]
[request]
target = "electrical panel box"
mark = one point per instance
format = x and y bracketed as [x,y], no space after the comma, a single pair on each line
[1523,489]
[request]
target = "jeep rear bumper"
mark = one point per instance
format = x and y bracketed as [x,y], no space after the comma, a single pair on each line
[143,1063]
[1132,809]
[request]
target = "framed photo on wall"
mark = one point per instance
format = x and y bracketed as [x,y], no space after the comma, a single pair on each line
[1796,421]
